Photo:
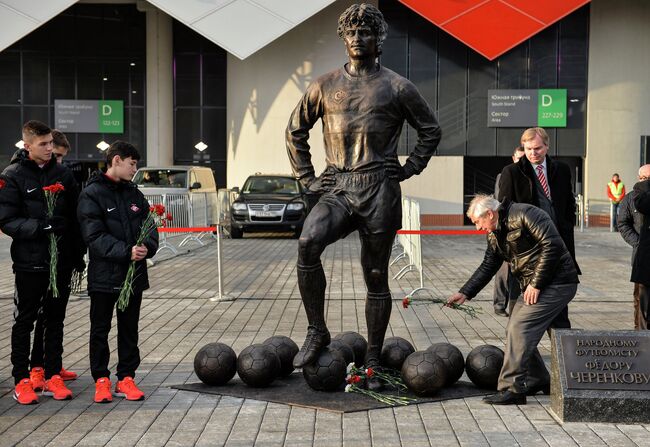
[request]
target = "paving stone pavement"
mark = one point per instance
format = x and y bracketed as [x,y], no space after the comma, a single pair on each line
[178,317]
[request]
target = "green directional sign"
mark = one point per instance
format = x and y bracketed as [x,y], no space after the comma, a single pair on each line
[111,116]
[551,108]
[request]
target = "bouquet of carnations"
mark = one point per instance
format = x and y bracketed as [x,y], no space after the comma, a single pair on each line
[155,218]
[357,377]
[471,311]
[51,194]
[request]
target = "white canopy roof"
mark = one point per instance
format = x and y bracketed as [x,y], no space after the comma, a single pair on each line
[20,17]
[240,27]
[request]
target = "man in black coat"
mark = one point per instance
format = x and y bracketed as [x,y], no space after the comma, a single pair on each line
[641,263]
[538,180]
[111,212]
[629,224]
[526,238]
[23,216]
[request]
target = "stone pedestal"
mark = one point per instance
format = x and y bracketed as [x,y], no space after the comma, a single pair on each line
[601,376]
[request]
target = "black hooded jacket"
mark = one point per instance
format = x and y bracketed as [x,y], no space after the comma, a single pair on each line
[23,213]
[111,214]
[527,239]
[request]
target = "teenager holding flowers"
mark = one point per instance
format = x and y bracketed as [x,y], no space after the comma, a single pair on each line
[45,248]
[112,212]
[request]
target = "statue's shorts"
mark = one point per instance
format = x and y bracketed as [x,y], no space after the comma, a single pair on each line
[370,201]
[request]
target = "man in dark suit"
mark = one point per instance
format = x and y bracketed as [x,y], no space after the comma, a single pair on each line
[640,270]
[545,183]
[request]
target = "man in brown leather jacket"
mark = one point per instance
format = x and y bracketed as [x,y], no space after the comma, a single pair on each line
[525,237]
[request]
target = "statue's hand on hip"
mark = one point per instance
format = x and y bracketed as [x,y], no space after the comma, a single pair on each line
[394,170]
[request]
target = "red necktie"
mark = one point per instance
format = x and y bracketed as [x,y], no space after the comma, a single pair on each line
[542,180]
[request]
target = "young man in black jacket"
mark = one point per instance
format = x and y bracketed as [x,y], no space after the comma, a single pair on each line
[23,217]
[111,211]
[60,148]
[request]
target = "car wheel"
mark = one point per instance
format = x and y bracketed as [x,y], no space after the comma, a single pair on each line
[236,233]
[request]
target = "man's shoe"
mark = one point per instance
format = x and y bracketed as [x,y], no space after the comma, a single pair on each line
[24,393]
[545,389]
[67,375]
[501,312]
[315,341]
[37,377]
[506,398]
[56,388]
[103,391]
[128,389]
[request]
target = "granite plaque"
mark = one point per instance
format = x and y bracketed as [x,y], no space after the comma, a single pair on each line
[606,362]
[600,376]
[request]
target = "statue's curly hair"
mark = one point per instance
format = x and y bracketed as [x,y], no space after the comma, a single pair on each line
[364,14]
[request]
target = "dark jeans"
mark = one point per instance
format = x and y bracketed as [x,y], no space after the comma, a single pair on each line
[101,315]
[30,296]
[36,359]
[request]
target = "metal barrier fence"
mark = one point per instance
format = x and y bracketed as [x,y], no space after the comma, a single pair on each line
[411,243]
[193,210]
[593,207]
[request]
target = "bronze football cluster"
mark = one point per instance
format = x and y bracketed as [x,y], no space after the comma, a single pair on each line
[440,365]
[257,365]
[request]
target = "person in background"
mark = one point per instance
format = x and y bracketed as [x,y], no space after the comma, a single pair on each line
[615,192]
[503,281]
[629,223]
[641,263]
[545,183]
[60,149]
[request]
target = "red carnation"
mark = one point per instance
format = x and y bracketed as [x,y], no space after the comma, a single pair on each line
[54,189]
[2,183]
[405,302]
[369,372]
[169,217]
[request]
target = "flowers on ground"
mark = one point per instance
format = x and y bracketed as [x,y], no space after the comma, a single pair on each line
[357,377]
[471,311]
[51,194]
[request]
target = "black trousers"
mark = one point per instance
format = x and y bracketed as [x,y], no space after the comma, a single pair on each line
[644,306]
[101,315]
[30,297]
[37,357]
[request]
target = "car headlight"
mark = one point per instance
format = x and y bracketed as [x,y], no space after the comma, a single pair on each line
[239,206]
[295,206]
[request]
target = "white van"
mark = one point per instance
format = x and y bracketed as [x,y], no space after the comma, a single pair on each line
[189,193]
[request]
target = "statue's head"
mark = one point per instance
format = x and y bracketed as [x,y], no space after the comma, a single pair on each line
[364,16]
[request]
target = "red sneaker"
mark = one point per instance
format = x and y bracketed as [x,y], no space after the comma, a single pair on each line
[37,377]
[128,389]
[67,375]
[103,390]
[24,393]
[57,389]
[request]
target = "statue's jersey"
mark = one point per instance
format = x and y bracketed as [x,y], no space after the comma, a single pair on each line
[362,121]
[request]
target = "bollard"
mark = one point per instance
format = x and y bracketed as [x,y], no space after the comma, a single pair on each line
[220,296]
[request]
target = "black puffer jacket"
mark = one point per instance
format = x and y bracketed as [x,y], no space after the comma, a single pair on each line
[23,214]
[111,215]
[527,239]
[641,263]
[629,222]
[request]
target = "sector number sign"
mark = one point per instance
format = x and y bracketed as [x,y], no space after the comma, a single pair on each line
[89,116]
[527,108]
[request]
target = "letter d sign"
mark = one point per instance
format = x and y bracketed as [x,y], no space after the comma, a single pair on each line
[106,110]
[547,100]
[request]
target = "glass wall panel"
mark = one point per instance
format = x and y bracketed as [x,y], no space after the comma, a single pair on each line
[9,77]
